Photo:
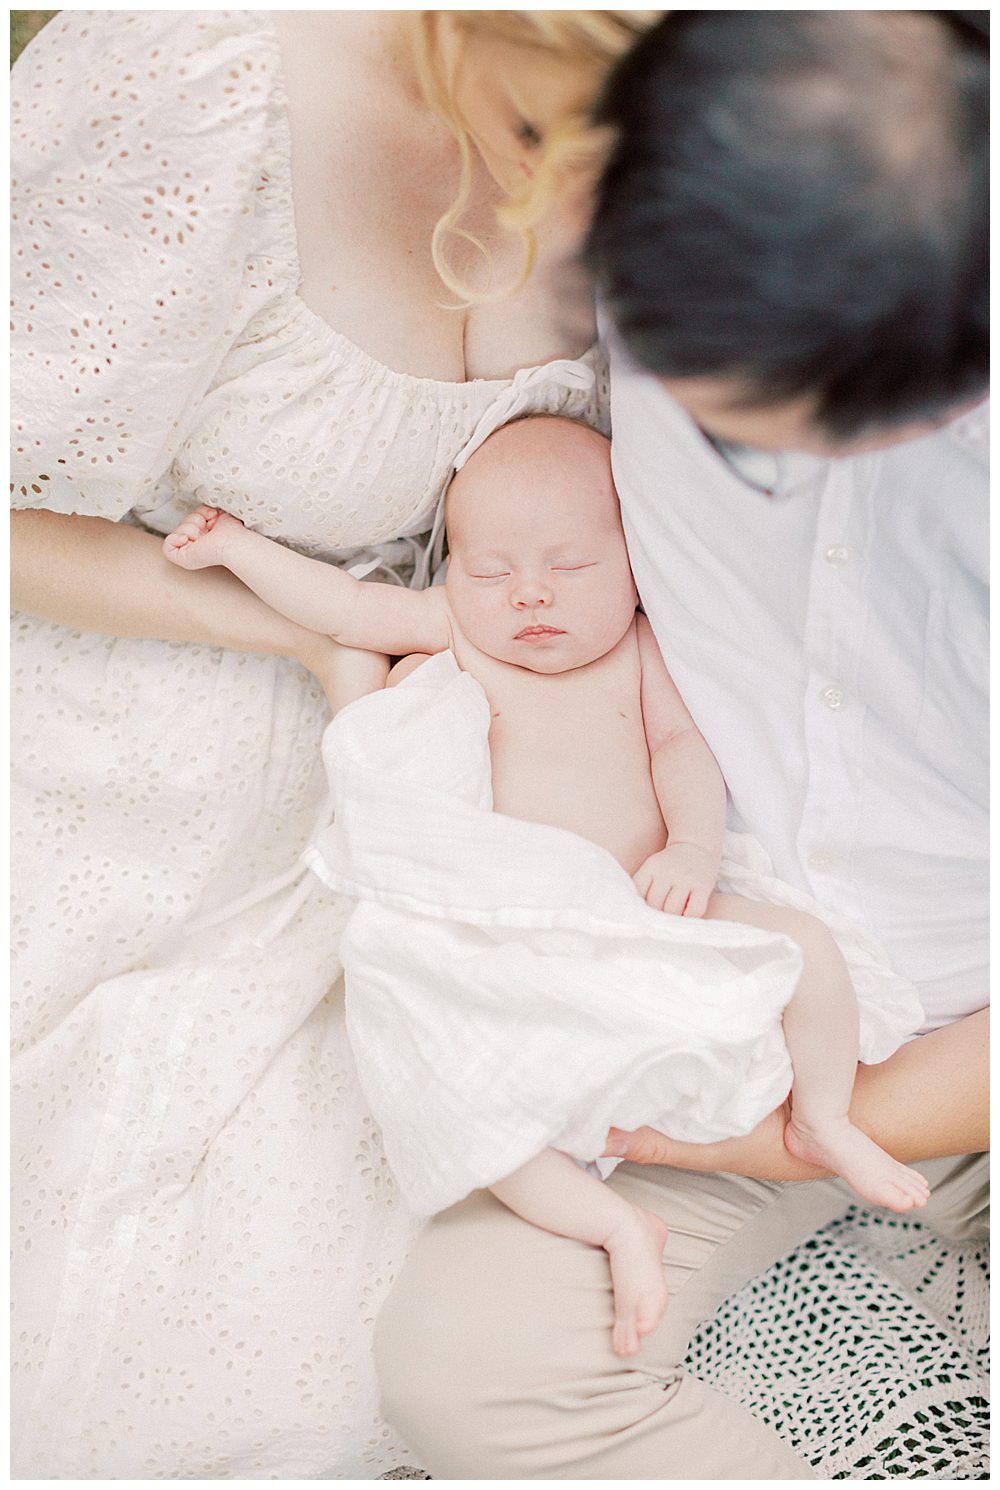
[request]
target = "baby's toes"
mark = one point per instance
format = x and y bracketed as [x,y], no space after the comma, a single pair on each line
[915,1187]
[648,1314]
[625,1338]
[910,1191]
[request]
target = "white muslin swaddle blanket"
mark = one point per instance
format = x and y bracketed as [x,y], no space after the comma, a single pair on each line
[507,987]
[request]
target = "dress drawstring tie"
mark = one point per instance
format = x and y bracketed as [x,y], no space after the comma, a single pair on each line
[298,879]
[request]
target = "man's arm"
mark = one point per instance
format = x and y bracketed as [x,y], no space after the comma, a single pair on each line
[689,788]
[928,1101]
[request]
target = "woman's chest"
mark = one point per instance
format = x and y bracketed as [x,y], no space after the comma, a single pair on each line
[368,269]
[372,173]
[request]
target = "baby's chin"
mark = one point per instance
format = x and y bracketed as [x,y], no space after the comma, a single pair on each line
[551,657]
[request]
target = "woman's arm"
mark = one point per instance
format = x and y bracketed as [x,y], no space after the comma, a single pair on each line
[928,1101]
[109,577]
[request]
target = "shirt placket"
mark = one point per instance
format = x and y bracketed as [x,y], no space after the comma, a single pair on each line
[833,706]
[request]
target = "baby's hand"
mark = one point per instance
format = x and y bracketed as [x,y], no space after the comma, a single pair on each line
[678,880]
[201,539]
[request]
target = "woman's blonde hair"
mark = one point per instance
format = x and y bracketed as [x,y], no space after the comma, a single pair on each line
[591,40]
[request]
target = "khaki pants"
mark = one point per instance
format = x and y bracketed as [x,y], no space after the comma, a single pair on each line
[494,1347]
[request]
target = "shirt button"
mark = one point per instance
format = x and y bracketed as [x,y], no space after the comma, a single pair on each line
[833,697]
[838,554]
[820,861]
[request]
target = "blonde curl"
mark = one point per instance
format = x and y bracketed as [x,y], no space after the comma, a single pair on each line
[591,40]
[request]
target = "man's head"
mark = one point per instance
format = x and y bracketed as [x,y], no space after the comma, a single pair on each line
[791,230]
[538,574]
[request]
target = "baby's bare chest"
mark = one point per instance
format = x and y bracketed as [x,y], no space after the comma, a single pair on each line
[570,750]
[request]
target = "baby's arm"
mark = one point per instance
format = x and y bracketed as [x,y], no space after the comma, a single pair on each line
[689,788]
[319,596]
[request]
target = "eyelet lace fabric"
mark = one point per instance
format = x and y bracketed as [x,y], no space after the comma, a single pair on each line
[204,1224]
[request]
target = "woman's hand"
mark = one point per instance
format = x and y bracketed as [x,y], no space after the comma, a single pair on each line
[345,673]
[112,578]
[928,1101]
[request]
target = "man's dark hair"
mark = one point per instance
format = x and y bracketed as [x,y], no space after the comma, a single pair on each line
[798,201]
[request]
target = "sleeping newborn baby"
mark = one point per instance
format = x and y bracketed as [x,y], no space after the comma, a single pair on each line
[588,734]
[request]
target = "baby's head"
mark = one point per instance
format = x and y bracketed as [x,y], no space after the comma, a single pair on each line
[538,574]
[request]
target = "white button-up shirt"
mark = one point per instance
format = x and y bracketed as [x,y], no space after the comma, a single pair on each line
[832,647]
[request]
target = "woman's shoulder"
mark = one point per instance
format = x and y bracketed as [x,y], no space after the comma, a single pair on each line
[108,82]
[147,43]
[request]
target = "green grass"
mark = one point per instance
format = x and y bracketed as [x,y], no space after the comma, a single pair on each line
[24,24]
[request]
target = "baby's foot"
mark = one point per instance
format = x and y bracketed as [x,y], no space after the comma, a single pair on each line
[200,540]
[635,1250]
[874,1174]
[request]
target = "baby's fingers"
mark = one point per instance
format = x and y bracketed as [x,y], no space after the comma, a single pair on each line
[697,902]
[657,891]
[677,899]
[182,535]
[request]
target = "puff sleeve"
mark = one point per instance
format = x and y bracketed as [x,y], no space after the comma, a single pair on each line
[137,141]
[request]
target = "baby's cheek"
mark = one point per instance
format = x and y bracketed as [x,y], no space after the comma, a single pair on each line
[616,613]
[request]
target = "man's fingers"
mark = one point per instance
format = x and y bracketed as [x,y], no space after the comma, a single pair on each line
[643,1146]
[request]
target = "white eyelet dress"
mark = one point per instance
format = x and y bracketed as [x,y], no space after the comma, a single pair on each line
[204,1224]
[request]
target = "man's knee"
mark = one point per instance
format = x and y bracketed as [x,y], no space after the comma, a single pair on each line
[415,1384]
[450,1352]
[455,1387]
[494,1346]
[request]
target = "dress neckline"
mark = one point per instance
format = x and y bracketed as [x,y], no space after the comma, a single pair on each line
[321,327]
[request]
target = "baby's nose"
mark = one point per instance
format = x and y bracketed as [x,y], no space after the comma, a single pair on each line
[527,596]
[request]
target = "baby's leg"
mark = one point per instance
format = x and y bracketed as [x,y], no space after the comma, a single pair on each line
[821,1031]
[553,1192]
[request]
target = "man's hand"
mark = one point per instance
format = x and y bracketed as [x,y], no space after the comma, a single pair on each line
[678,880]
[761,1153]
[928,1101]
